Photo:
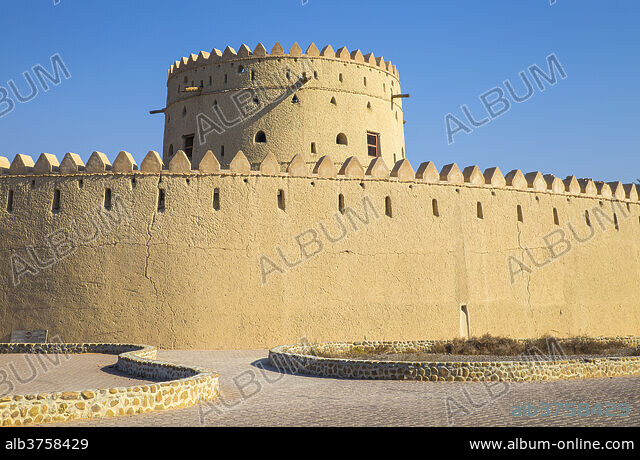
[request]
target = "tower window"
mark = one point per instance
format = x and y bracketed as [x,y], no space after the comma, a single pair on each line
[341,139]
[240,69]
[216,199]
[587,218]
[340,78]
[222,151]
[107,198]
[161,200]
[479,212]
[434,206]
[519,211]
[56,201]
[313,148]
[281,202]
[295,99]
[261,137]
[333,101]
[341,203]
[387,207]
[188,145]
[253,75]
[365,81]
[10,201]
[373,144]
[556,219]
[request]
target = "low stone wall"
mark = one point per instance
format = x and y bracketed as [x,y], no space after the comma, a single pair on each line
[301,359]
[181,386]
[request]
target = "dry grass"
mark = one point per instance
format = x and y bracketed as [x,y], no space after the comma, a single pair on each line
[488,345]
[502,346]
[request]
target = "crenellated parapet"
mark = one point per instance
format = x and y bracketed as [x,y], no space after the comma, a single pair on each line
[208,255]
[312,103]
[277,52]
[402,171]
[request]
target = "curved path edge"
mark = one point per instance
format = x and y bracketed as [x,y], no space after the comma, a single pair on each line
[181,386]
[300,358]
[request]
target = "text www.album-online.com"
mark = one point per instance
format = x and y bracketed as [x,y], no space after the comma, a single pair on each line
[574,444]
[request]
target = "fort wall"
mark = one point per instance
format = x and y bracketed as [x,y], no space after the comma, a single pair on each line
[233,258]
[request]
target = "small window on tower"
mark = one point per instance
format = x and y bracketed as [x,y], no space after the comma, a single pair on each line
[188,145]
[373,144]
[261,137]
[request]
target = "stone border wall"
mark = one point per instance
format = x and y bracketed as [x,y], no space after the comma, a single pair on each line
[300,359]
[184,386]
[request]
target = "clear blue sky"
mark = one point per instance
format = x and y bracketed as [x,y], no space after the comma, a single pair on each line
[447,52]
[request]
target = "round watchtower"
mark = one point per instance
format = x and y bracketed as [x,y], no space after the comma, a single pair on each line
[313,103]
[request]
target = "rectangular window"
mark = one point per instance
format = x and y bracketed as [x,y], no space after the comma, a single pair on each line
[56,201]
[107,198]
[188,145]
[373,144]
[216,199]
[10,201]
[161,200]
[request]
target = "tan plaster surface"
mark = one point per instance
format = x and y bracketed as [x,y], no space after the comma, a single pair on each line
[190,277]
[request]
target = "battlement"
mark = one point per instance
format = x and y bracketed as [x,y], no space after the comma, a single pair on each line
[172,251]
[98,163]
[244,52]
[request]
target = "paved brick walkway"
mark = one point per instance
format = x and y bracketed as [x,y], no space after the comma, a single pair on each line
[24,373]
[253,395]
